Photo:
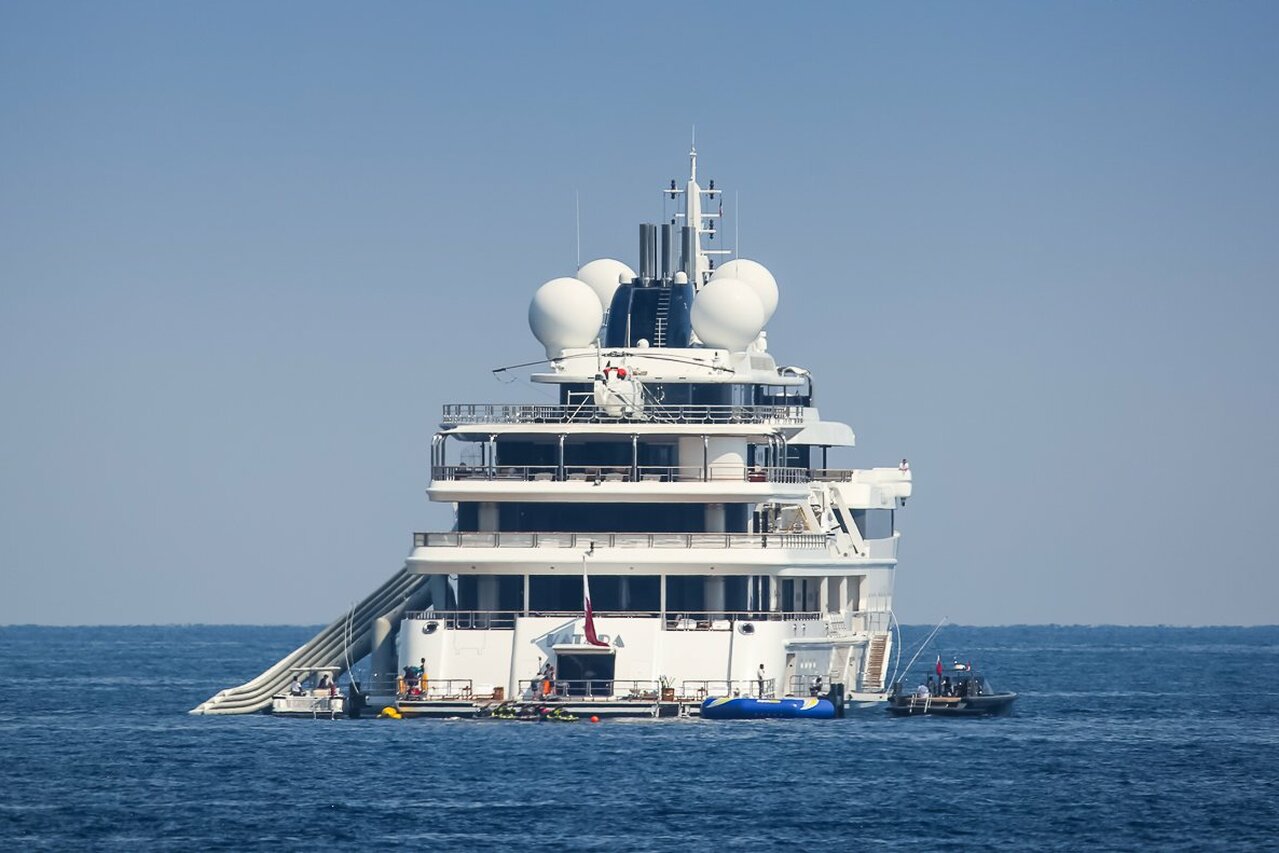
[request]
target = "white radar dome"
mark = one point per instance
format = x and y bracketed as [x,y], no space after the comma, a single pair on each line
[757,276]
[727,314]
[564,313]
[604,276]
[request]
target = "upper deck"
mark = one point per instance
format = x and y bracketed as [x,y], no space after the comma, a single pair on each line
[466,414]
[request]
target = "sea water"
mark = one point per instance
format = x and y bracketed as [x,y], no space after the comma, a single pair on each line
[1121,738]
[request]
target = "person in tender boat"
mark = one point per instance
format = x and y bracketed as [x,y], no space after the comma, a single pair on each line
[295,687]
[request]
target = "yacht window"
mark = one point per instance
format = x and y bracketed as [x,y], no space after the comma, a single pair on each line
[609,593]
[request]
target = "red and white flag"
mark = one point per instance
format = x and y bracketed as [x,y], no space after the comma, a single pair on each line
[591,637]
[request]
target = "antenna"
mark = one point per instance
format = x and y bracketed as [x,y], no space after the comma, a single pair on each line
[737,223]
[577,208]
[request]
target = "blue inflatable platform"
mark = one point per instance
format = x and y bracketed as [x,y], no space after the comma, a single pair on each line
[747,708]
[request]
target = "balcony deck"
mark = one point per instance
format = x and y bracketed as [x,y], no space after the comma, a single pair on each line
[460,414]
[620,473]
[581,541]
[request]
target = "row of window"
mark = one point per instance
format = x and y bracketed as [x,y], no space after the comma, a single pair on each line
[601,517]
[703,394]
[544,453]
[634,593]
[515,517]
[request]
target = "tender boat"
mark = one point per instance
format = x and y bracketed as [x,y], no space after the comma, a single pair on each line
[956,692]
[312,693]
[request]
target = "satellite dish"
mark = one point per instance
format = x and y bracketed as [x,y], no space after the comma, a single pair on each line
[757,276]
[565,313]
[727,314]
[604,276]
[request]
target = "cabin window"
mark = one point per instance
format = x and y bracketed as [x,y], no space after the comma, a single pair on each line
[801,595]
[602,517]
[874,523]
[490,593]
[609,593]
[699,594]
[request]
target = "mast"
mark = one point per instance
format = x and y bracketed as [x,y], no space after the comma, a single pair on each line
[698,222]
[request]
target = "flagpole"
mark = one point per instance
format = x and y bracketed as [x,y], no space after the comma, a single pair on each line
[923,645]
[591,638]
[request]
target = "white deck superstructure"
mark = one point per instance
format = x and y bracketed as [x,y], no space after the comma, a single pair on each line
[683,470]
[714,535]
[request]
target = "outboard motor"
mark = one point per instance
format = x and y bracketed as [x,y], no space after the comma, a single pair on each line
[356,701]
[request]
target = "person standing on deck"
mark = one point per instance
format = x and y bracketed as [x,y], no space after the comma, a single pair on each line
[422,675]
[759,679]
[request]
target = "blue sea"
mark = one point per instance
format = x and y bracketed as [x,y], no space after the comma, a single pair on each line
[1122,738]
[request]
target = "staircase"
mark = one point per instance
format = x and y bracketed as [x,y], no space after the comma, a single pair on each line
[876,663]
[350,637]
[662,317]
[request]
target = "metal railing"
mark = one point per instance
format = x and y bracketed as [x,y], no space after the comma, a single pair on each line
[806,541]
[806,685]
[436,688]
[505,619]
[704,620]
[481,620]
[594,689]
[706,688]
[869,621]
[458,414]
[620,473]
[723,620]
[833,475]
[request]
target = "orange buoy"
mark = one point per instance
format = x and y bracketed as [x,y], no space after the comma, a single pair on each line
[594,718]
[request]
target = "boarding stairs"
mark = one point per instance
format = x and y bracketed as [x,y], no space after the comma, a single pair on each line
[876,663]
[342,643]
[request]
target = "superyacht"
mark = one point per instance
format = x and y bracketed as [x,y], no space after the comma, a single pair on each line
[666,532]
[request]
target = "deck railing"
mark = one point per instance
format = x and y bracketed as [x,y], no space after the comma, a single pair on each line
[436,688]
[714,620]
[458,414]
[704,620]
[593,689]
[620,473]
[806,541]
[806,685]
[706,688]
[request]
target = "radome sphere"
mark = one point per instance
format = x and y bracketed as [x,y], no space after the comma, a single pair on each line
[727,314]
[604,276]
[757,276]
[564,313]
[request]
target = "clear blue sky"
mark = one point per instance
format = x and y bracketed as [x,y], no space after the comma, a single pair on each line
[247,250]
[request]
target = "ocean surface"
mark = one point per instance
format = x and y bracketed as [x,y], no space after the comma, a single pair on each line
[1122,738]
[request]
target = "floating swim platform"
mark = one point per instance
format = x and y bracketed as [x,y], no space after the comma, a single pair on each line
[747,708]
